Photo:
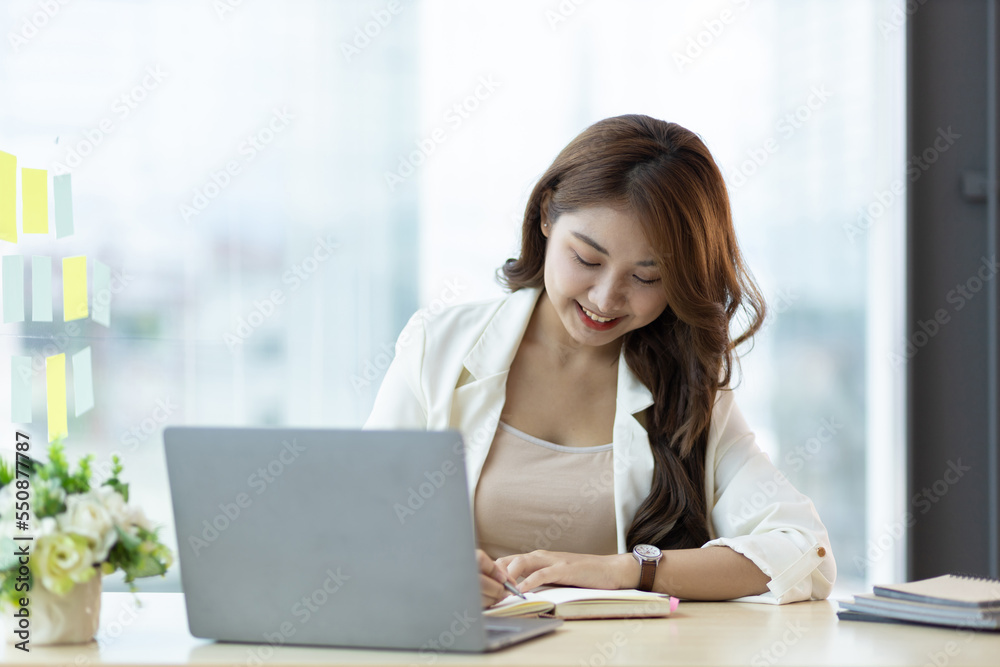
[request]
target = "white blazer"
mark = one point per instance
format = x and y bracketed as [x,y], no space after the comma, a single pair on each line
[450,371]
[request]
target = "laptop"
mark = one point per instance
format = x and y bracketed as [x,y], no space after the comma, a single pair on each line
[325,537]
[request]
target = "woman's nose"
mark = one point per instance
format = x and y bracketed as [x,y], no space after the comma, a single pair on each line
[608,296]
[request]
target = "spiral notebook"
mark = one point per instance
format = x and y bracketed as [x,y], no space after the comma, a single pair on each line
[948,600]
[949,589]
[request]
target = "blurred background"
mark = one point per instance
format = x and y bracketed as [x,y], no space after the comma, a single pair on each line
[279,186]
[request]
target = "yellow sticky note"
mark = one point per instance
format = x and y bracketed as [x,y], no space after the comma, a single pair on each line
[8,197]
[34,201]
[74,288]
[55,391]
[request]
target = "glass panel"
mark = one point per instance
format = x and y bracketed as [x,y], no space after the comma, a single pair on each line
[278,186]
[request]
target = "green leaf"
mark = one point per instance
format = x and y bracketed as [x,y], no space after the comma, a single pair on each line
[6,473]
[117,485]
[144,566]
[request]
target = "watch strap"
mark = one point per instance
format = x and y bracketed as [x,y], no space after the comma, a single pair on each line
[647,574]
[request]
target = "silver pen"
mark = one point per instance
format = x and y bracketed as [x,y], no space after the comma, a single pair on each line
[513,590]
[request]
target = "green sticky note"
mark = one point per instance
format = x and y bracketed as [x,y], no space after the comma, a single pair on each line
[63,196]
[20,390]
[8,197]
[41,289]
[100,295]
[34,201]
[83,382]
[55,395]
[75,288]
[13,289]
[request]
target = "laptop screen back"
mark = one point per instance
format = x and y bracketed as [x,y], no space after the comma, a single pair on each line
[325,537]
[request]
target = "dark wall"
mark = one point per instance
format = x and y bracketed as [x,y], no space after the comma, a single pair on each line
[951,284]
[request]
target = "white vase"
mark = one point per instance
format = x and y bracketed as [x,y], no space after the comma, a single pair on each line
[72,618]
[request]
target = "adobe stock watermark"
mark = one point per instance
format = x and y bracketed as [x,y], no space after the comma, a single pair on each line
[418,495]
[561,13]
[220,179]
[147,427]
[432,648]
[161,413]
[957,297]
[588,492]
[779,303]
[258,481]
[562,522]
[454,118]
[122,107]
[605,652]
[363,35]
[111,630]
[923,502]
[883,200]
[32,23]
[224,8]
[752,504]
[897,16]
[829,428]
[778,649]
[264,308]
[471,443]
[302,611]
[786,128]
[950,649]
[375,368]
[699,43]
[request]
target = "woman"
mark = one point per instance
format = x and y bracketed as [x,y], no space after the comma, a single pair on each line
[594,399]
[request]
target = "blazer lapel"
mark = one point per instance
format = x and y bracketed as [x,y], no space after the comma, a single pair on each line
[479,399]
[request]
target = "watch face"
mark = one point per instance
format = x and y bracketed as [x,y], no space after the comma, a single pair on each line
[647,551]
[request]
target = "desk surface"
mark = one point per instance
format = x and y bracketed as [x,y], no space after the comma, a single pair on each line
[699,633]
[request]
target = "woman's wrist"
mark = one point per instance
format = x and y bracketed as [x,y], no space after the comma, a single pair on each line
[627,569]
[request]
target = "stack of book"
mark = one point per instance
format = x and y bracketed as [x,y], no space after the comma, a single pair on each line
[949,600]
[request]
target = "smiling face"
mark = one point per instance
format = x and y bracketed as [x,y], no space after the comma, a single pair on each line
[600,275]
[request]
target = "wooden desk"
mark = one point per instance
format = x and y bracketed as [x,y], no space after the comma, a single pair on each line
[700,633]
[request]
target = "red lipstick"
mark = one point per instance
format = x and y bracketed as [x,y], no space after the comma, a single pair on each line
[593,324]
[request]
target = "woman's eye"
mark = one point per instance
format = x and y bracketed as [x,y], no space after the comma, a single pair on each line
[646,282]
[579,260]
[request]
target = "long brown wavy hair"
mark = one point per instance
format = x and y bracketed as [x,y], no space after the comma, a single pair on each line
[664,175]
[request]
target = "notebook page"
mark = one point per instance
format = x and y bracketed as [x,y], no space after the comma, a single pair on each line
[947,589]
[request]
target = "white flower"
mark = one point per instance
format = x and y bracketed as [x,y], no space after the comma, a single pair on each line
[113,502]
[63,560]
[47,526]
[86,515]
[126,515]
[136,517]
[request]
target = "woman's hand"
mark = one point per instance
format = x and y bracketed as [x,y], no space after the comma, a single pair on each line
[491,578]
[569,569]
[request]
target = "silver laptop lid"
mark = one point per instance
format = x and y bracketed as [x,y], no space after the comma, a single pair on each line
[302,536]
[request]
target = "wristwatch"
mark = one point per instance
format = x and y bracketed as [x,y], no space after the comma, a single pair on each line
[648,557]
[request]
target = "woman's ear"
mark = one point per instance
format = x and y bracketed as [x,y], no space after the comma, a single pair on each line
[543,210]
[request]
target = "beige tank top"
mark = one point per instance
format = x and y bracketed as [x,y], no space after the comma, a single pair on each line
[533,494]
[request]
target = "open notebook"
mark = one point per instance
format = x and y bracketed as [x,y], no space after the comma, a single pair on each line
[948,600]
[584,603]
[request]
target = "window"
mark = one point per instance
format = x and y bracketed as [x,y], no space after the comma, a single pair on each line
[283,184]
